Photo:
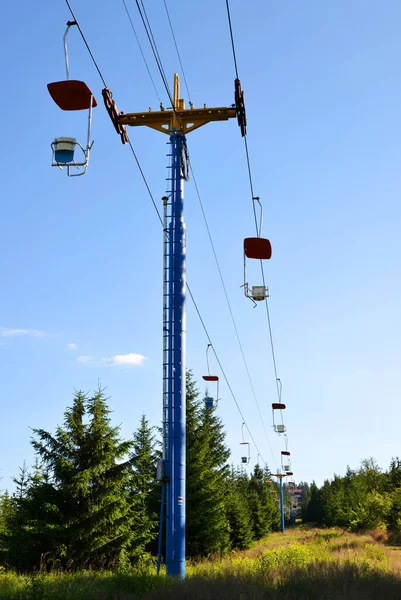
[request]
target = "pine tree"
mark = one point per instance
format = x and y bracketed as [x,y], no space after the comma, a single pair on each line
[195,468]
[326,503]
[238,514]
[143,485]
[313,510]
[393,484]
[89,474]
[394,474]
[263,509]
[6,512]
[25,534]
[394,513]
[207,472]
[21,483]
[306,496]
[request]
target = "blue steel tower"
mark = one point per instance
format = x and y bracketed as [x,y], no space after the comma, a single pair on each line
[281,476]
[176,122]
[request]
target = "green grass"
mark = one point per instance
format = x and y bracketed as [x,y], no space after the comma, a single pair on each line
[82,586]
[302,564]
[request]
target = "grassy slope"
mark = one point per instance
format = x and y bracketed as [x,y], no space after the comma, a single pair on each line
[303,564]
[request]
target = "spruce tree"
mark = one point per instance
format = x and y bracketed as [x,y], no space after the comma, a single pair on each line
[142,484]
[24,532]
[263,508]
[207,472]
[394,474]
[89,474]
[393,484]
[238,514]
[195,468]
[394,514]
[313,510]
[6,513]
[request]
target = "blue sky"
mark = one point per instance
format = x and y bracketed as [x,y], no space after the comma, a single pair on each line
[81,259]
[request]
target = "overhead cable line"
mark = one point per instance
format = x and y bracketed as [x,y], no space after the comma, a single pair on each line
[178,53]
[224,374]
[156,54]
[145,182]
[271,340]
[161,221]
[232,38]
[129,141]
[149,33]
[212,244]
[248,162]
[140,48]
[86,43]
[157,58]
[258,233]
[230,311]
[255,216]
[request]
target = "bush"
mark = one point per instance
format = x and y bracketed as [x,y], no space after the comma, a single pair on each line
[373,513]
[287,557]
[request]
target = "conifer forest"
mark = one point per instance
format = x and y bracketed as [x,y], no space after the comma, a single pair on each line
[92,501]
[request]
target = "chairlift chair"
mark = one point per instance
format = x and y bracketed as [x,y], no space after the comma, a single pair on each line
[259,248]
[71,95]
[278,428]
[285,460]
[245,459]
[209,400]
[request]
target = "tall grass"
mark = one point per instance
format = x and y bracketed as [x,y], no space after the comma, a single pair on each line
[302,564]
[317,581]
[82,586]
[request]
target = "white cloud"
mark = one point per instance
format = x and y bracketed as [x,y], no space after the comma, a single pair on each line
[84,359]
[7,332]
[131,359]
[72,347]
[128,359]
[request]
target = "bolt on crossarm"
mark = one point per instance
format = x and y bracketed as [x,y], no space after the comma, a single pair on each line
[176,123]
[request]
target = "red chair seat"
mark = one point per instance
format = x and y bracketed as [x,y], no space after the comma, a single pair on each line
[71,94]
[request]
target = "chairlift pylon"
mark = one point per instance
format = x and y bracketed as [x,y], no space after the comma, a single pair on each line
[71,95]
[209,400]
[256,248]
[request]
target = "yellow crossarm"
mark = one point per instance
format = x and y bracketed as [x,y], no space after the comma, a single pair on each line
[181,119]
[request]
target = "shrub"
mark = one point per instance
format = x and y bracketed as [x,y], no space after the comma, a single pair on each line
[287,557]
